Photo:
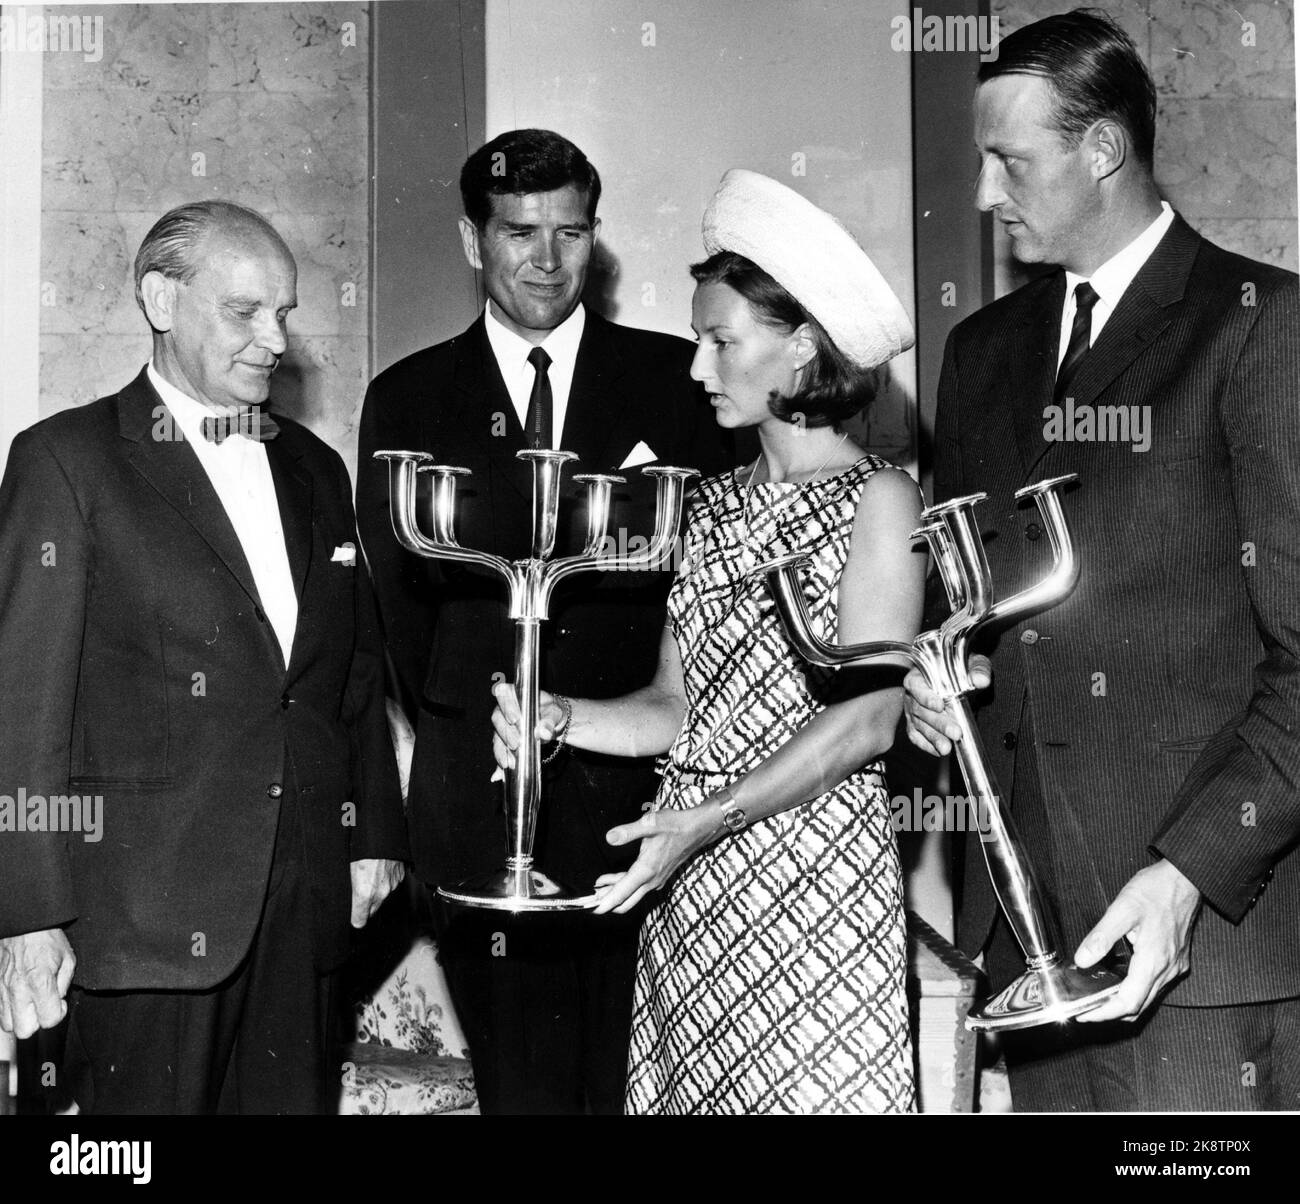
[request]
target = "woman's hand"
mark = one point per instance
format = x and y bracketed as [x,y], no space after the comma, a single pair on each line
[669,839]
[505,722]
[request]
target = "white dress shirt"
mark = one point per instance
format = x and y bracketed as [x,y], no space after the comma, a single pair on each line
[241,475]
[561,345]
[1112,279]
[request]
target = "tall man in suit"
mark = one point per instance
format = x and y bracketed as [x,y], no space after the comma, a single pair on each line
[545,999]
[198,787]
[1148,728]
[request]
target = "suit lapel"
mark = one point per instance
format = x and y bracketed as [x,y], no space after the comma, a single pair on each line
[592,419]
[1142,315]
[1031,366]
[596,403]
[162,456]
[293,494]
[482,404]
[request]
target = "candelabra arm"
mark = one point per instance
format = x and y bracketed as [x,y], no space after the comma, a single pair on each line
[945,559]
[403,467]
[547,467]
[670,495]
[670,498]
[963,545]
[600,486]
[1064,573]
[782,579]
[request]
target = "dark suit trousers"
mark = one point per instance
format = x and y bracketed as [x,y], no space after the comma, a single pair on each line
[546,1005]
[1172,1059]
[258,1043]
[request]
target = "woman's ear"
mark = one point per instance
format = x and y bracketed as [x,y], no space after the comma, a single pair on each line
[803,347]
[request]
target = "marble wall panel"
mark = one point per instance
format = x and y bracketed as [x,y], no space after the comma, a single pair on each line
[264,104]
[1226,132]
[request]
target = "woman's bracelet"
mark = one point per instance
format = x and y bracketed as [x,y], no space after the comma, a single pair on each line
[567,707]
[734,818]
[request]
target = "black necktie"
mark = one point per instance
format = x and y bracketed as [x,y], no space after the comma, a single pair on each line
[251,423]
[1085,297]
[538,427]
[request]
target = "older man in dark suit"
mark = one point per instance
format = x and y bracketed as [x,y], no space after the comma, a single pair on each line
[1148,728]
[546,1000]
[189,652]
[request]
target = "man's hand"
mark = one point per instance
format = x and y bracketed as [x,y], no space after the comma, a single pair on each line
[668,839]
[35,973]
[399,728]
[1156,911]
[373,880]
[928,727]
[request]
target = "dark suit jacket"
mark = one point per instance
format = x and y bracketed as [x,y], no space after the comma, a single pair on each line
[446,626]
[137,664]
[1164,694]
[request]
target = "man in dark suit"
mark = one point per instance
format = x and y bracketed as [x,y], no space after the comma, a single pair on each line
[1148,728]
[200,781]
[545,999]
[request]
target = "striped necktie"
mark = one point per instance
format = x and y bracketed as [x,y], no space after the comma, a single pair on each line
[1085,297]
[540,403]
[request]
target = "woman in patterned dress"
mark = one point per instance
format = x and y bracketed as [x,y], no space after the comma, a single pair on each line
[771,974]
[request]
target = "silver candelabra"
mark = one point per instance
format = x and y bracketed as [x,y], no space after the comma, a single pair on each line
[1051,989]
[520,886]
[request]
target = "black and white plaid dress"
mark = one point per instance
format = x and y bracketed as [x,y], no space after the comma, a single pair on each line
[771,977]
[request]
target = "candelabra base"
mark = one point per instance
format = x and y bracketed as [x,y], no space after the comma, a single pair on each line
[1046,996]
[516,890]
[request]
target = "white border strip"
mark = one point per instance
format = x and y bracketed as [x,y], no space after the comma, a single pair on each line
[21,77]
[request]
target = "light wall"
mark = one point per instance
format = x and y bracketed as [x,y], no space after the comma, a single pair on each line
[1225,80]
[665,95]
[264,104]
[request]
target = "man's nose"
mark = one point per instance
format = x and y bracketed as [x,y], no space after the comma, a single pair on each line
[546,253]
[989,193]
[272,336]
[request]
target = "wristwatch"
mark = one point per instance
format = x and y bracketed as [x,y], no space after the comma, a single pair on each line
[733,814]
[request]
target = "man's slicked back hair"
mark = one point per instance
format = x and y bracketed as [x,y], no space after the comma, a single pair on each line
[520,162]
[1094,70]
[171,246]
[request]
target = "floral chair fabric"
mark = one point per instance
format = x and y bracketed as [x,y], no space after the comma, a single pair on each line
[410,1056]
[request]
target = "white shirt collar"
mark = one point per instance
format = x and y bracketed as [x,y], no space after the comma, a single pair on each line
[512,351]
[240,473]
[1115,275]
[561,343]
[188,413]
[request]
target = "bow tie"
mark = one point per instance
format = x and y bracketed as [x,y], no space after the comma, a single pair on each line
[252,423]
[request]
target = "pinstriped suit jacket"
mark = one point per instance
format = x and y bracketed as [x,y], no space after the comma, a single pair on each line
[1161,701]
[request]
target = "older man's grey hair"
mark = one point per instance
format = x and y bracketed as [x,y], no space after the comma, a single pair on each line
[171,246]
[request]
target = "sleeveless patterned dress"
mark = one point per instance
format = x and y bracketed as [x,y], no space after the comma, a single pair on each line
[771,976]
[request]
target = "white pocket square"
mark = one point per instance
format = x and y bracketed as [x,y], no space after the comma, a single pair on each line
[640,454]
[346,555]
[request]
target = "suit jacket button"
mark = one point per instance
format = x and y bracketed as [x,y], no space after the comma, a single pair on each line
[285,700]
[1033,531]
[1029,637]
[274,790]
[1009,740]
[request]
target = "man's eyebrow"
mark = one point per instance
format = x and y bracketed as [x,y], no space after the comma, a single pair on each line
[244,301]
[1001,145]
[520,227]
